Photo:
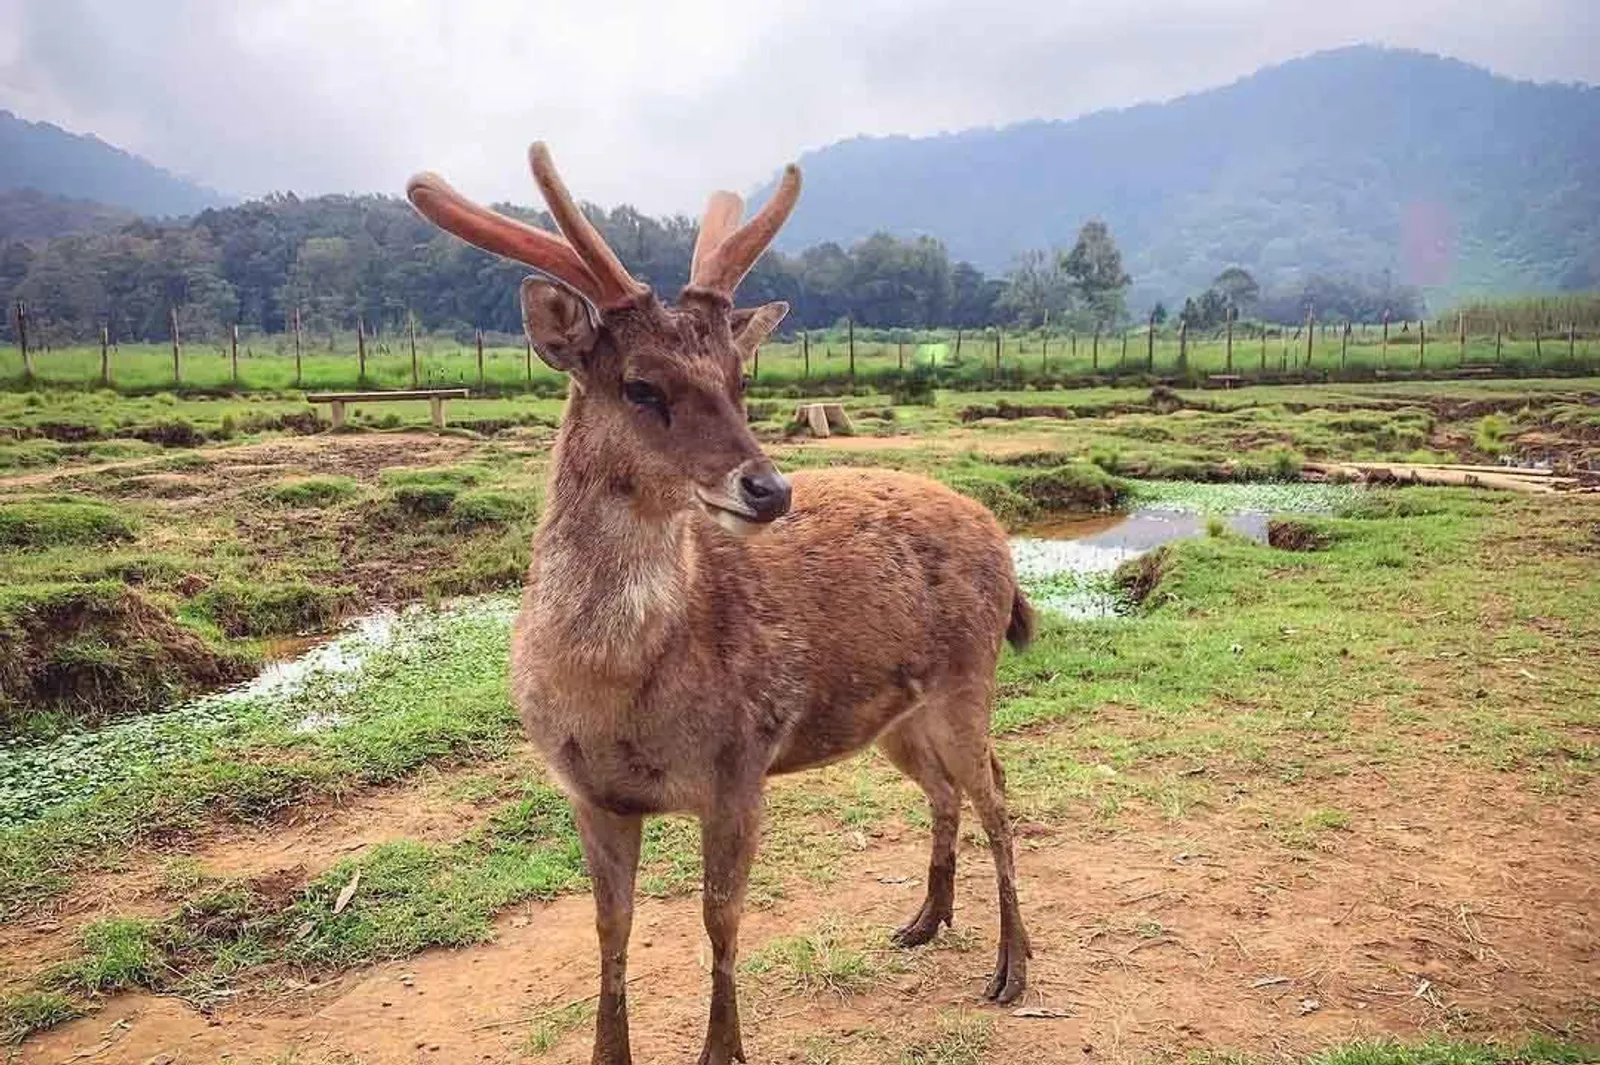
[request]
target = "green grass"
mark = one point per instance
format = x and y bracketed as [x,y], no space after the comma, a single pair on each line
[313,491]
[821,963]
[242,610]
[1024,358]
[118,953]
[958,1039]
[56,522]
[546,1032]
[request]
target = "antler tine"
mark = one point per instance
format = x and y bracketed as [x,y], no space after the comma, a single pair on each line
[452,212]
[723,212]
[725,266]
[618,287]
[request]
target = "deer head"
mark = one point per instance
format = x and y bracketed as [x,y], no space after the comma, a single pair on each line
[657,389]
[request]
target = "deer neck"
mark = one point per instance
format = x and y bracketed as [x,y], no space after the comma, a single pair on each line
[614,561]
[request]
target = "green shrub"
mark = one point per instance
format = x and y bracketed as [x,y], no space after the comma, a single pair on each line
[244,610]
[46,523]
[312,491]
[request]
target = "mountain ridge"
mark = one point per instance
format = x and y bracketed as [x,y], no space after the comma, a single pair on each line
[80,166]
[1359,161]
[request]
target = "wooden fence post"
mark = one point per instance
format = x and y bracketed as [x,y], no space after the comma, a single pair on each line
[361,349]
[1124,359]
[1263,347]
[297,368]
[478,337]
[1383,352]
[1344,345]
[411,332]
[999,338]
[1150,346]
[105,355]
[1094,357]
[805,353]
[902,353]
[527,357]
[1538,349]
[1230,340]
[1422,343]
[1073,338]
[1183,346]
[1311,333]
[958,344]
[1461,335]
[233,352]
[177,346]
[1572,341]
[22,341]
[1497,342]
[1044,358]
[850,324]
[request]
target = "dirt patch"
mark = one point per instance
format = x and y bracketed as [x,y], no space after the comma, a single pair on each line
[1446,904]
[1293,534]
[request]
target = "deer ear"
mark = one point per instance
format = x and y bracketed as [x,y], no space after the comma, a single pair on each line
[752,325]
[558,322]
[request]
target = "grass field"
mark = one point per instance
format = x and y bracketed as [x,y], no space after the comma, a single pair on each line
[267,363]
[1332,805]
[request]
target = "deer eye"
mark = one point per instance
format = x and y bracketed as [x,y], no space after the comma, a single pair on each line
[644,394]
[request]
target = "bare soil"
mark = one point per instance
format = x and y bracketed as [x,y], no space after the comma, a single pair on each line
[1451,904]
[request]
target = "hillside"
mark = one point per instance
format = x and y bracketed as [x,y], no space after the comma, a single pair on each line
[28,214]
[1355,162]
[38,155]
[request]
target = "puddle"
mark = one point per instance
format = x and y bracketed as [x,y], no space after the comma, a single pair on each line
[303,697]
[1066,563]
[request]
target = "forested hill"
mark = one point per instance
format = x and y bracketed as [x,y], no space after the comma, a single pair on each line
[38,155]
[1351,162]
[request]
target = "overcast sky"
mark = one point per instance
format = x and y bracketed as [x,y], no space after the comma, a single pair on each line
[655,102]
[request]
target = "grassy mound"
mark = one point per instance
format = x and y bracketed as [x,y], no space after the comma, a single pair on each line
[90,652]
[52,522]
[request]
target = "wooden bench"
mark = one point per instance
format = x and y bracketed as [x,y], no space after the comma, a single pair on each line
[822,418]
[435,397]
[1226,380]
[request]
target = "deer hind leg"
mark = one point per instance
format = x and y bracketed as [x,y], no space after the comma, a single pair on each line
[908,746]
[728,839]
[611,850]
[982,778]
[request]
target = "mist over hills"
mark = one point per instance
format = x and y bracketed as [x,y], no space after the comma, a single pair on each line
[1354,162]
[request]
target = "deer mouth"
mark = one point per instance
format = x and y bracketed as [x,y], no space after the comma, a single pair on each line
[729,513]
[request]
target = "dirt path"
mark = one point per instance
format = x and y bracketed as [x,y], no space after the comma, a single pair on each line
[1451,903]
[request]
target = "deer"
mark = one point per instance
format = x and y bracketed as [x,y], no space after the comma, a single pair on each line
[693,622]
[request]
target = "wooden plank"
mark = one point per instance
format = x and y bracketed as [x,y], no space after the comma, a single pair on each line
[380,397]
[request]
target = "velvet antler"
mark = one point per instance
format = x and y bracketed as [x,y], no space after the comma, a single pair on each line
[723,258]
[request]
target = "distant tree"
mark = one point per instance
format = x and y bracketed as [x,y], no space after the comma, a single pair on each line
[1238,289]
[1158,313]
[1037,289]
[1094,267]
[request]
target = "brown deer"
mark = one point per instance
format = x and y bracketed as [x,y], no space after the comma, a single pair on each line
[668,659]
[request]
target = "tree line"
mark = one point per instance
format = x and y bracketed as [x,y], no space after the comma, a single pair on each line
[337,259]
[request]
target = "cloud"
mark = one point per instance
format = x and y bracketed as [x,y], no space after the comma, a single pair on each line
[654,103]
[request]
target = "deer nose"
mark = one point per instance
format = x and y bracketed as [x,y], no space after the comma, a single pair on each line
[765,491]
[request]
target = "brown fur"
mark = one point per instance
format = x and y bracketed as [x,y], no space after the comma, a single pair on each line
[664,665]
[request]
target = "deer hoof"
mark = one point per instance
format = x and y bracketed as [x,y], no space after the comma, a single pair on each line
[1010,978]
